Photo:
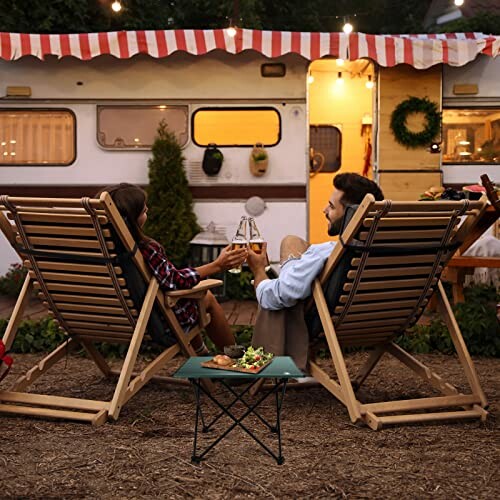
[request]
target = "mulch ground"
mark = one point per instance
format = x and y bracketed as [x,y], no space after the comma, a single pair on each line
[146,453]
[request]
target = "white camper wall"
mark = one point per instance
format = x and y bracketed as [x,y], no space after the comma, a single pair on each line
[216,75]
[217,79]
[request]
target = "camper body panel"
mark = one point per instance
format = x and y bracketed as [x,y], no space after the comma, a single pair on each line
[212,81]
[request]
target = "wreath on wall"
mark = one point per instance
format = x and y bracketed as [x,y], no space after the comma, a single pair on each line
[416,105]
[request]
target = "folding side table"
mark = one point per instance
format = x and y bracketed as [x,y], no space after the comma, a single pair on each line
[280,370]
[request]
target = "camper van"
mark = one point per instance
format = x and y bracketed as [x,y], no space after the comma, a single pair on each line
[80,112]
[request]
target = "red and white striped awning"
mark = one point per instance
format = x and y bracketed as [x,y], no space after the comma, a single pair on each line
[420,51]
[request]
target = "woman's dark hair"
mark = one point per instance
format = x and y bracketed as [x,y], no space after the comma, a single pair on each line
[355,187]
[130,201]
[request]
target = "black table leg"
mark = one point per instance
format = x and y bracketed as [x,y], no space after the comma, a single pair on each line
[237,422]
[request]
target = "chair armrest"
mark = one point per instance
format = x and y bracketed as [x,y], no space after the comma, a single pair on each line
[202,286]
[197,293]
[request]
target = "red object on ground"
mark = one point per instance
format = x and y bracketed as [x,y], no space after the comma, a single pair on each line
[5,361]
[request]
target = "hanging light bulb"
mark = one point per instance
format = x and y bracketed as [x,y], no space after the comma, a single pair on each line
[310,78]
[231,31]
[459,3]
[347,28]
[369,84]
[339,61]
[340,79]
[116,6]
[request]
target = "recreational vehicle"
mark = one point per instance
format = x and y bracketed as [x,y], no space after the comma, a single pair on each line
[80,112]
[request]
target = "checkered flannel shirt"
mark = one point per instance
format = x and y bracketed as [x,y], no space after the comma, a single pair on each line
[170,279]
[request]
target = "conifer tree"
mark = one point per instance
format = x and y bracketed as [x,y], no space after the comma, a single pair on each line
[171,219]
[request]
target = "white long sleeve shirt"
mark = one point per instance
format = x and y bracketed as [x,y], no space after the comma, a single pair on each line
[295,280]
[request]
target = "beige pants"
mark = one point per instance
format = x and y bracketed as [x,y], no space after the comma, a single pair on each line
[284,332]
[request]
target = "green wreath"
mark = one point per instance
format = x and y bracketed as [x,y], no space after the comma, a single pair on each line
[416,105]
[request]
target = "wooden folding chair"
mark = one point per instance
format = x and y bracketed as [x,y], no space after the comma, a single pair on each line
[375,285]
[87,270]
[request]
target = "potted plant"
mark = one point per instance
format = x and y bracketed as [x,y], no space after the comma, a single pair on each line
[259,160]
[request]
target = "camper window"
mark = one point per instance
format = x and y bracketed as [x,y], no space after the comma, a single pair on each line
[236,126]
[37,137]
[326,147]
[471,135]
[135,126]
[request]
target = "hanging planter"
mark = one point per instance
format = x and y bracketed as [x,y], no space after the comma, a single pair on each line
[259,160]
[406,137]
[212,160]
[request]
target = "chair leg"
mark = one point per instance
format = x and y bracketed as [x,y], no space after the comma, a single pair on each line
[349,397]
[17,314]
[23,382]
[97,357]
[135,343]
[460,347]
[368,367]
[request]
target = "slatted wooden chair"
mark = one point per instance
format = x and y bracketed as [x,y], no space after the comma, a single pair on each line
[375,285]
[86,268]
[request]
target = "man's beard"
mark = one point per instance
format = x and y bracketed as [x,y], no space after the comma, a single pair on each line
[335,227]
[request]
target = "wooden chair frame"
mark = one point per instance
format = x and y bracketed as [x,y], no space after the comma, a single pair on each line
[130,330]
[369,332]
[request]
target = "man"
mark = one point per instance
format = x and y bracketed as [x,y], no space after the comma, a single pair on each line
[280,325]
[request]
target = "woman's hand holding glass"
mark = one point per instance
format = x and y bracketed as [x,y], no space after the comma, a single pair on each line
[230,259]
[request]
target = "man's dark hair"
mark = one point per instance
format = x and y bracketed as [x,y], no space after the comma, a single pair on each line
[355,187]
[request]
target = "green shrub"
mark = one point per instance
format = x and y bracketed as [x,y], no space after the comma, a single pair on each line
[476,318]
[171,219]
[239,286]
[44,336]
[35,336]
[12,282]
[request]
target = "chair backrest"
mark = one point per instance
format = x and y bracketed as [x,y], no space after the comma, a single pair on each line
[386,265]
[85,265]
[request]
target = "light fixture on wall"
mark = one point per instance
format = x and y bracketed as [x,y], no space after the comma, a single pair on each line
[435,148]
[369,83]
[116,6]
[340,79]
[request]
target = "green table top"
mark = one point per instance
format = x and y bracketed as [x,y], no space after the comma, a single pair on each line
[280,367]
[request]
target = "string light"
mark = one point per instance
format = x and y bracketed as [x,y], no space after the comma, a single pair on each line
[231,31]
[116,6]
[340,79]
[347,28]
[339,61]
[369,84]
[459,3]
[310,78]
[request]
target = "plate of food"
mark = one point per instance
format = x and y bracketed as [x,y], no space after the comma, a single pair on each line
[252,361]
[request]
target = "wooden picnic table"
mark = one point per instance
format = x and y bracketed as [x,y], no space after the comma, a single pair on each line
[460,265]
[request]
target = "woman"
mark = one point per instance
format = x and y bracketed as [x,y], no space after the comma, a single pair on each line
[131,202]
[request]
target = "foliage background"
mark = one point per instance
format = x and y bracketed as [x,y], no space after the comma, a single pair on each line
[477,318]
[371,16]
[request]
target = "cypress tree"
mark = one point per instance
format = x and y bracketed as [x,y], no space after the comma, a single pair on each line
[171,219]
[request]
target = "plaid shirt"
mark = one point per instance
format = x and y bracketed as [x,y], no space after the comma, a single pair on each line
[170,279]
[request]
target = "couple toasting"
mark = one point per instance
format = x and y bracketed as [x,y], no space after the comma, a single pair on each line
[281,299]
